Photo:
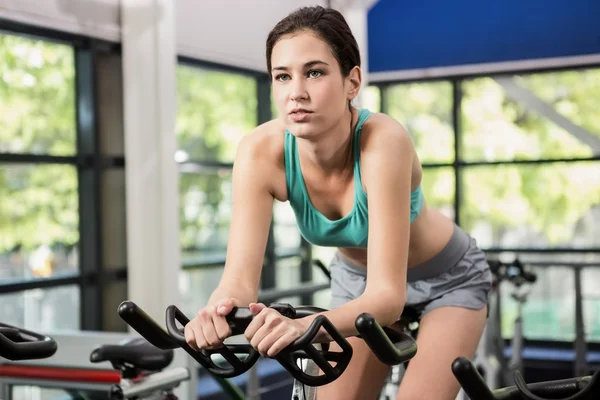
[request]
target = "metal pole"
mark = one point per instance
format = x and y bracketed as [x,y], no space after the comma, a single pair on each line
[580,344]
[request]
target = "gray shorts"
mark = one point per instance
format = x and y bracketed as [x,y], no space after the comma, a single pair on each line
[458,276]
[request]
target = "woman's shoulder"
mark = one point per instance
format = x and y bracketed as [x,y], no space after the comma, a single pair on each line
[381,130]
[265,142]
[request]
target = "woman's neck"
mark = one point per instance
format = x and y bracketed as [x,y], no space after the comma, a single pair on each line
[331,152]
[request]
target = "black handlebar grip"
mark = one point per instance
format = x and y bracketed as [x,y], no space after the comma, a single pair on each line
[143,324]
[589,392]
[303,348]
[530,277]
[383,347]
[24,344]
[237,366]
[239,318]
[470,380]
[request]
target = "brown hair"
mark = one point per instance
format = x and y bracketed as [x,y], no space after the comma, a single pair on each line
[326,23]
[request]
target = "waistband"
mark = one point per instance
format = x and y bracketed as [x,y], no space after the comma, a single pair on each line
[447,258]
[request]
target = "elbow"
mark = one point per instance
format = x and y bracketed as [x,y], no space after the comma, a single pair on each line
[388,306]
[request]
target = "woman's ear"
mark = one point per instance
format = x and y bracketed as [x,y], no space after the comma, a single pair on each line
[354,81]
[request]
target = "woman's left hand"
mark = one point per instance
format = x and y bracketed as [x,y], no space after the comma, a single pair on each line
[270,332]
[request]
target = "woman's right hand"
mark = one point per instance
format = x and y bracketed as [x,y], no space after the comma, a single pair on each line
[209,328]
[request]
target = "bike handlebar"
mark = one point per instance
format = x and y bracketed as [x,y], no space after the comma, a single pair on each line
[381,339]
[582,388]
[515,272]
[390,347]
[20,344]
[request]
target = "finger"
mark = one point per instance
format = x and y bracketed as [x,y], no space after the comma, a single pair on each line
[208,328]
[281,343]
[273,327]
[199,336]
[256,322]
[190,337]
[256,308]
[225,306]
[222,328]
[271,337]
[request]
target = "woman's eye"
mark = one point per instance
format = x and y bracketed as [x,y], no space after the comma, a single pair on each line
[314,73]
[282,77]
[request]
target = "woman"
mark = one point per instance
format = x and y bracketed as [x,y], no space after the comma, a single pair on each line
[353,180]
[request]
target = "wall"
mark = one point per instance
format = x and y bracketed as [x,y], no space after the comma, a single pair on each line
[405,36]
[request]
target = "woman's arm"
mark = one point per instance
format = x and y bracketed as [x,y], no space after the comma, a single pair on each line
[250,221]
[386,169]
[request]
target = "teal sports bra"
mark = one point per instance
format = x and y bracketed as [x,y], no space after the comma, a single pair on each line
[348,231]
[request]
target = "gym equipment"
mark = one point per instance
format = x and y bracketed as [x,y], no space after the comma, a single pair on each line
[409,323]
[522,279]
[580,388]
[489,357]
[20,344]
[142,367]
[299,358]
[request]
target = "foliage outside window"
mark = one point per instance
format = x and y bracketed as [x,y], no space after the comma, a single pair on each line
[39,218]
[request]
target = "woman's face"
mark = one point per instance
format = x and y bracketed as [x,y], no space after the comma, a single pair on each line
[308,87]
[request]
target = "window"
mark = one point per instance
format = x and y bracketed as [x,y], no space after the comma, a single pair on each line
[425,111]
[39,212]
[215,109]
[532,206]
[527,172]
[60,108]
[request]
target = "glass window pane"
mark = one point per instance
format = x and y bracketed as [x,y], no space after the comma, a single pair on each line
[215,110]
[425,111]
[196,286]
[537,206]
[37,97]
[205,213]
[540,116]
[573,95]
[287,273]
[42,309]
[285,228]
[549,312]
[39,221]
[438,188]
[371,98]
[591,302]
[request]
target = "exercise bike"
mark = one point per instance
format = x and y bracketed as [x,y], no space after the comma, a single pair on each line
[579,388]
[409,323]
[17,344]
[143,370]
[489,357]
[522,279]
[141,365]
[302,359]
[473,384]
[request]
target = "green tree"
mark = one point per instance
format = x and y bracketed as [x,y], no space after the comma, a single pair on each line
[38,203]
[548,199]
[214,111]
[425,111]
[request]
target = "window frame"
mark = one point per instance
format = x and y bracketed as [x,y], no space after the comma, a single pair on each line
[89,163]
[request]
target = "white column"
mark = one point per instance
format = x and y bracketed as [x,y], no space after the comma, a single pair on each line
[149,65]
[149,108]
[355,12]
